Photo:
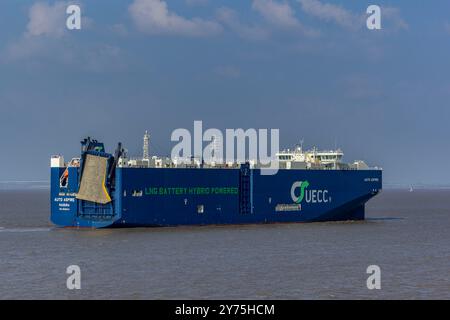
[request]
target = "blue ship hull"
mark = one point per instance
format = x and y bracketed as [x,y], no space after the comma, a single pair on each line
[144,197]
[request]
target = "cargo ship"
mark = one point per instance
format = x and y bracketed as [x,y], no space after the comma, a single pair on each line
[100,189]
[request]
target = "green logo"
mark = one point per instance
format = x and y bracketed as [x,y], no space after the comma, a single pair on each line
[302,185]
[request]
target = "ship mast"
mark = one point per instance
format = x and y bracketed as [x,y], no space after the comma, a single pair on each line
[145,148]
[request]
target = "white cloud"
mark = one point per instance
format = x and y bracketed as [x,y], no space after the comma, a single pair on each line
[46,23]
[330,13]
[230,19]
[154,17]
[390,16]
[277,13]
[47,20]
[46,38]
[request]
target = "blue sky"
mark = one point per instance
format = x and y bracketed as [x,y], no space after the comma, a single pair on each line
[307,67]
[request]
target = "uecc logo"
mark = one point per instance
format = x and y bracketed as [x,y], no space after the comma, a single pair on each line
[309,195]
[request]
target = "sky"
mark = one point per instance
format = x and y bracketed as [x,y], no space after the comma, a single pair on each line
[310,68]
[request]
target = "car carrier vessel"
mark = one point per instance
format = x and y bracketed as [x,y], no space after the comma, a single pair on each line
[101,189]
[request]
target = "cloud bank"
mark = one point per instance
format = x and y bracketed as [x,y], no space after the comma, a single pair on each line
[331,13]
[47,20]
[154,17]
[277,13]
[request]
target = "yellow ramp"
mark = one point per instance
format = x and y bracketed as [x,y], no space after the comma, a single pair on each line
[92,186]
